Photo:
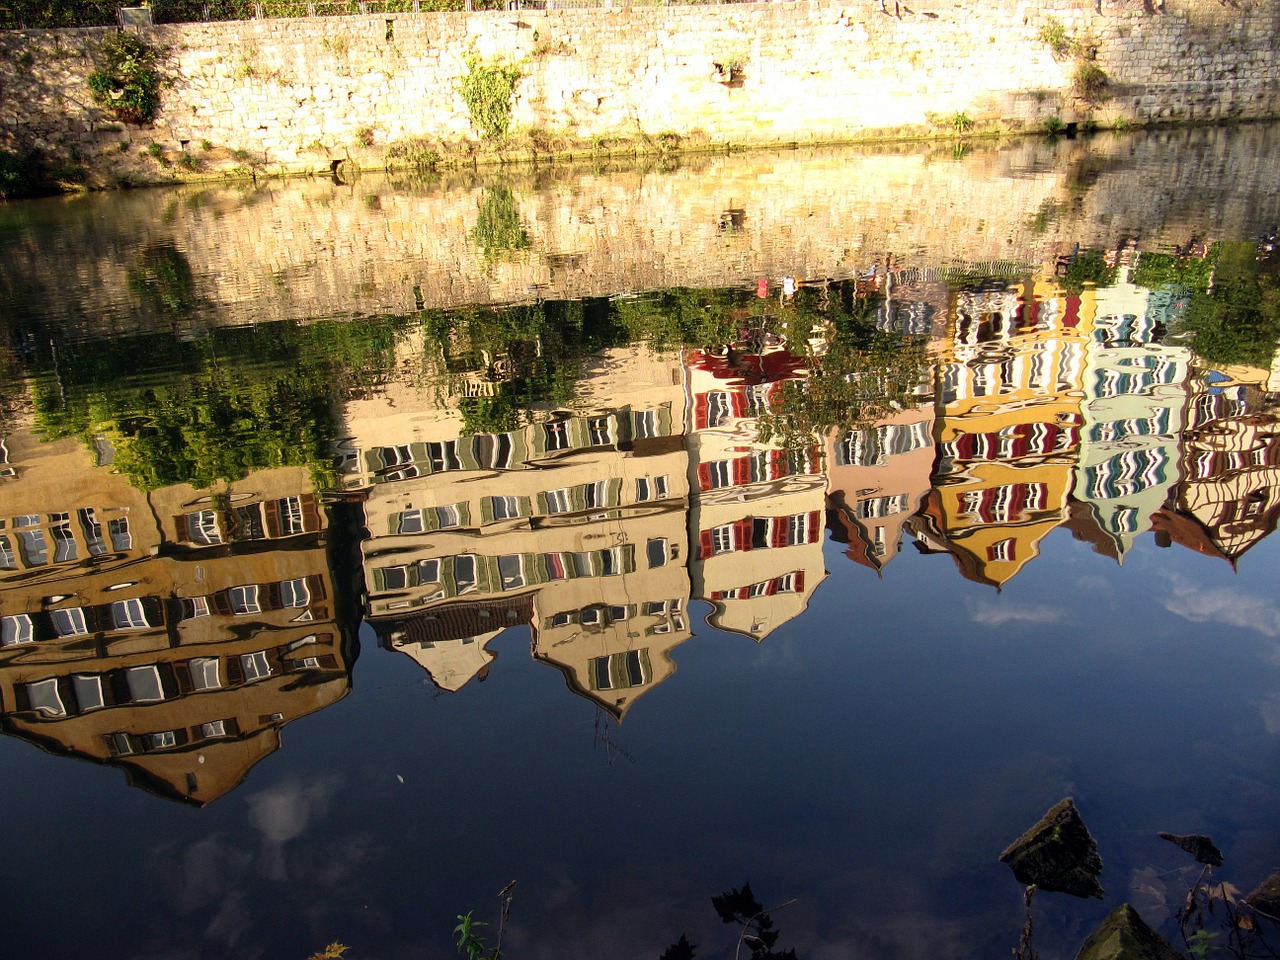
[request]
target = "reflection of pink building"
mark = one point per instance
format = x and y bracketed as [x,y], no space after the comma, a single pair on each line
[877,477]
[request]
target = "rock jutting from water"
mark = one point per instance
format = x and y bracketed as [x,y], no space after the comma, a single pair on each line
[1058,854]
[1124,935]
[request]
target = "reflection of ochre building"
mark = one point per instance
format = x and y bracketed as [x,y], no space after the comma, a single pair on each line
[1229,497]
[573,525]
[757,513]
[174,650]
[1009,393]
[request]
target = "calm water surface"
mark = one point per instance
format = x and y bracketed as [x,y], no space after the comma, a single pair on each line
[812,520]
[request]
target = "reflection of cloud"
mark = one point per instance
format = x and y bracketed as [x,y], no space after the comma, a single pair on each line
[1227,606]
[283,813]
[1270,709]
[994,615]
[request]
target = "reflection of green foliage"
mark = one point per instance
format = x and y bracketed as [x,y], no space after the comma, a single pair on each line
[1089,266]
[162,278]
[864,375]
[489,414]
[215,409]
[679,315]
[1156,270]
[498,227]
[17,176]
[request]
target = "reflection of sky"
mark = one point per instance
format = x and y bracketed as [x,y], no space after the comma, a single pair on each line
[871,759]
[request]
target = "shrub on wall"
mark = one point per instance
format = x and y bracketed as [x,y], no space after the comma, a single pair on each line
[488,88]
[128,86]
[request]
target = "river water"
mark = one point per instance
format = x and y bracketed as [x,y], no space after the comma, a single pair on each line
[813,520]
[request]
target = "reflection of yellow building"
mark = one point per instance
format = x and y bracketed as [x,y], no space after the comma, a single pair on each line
[573,524]
[1010,392]
[177,663]
[758,511]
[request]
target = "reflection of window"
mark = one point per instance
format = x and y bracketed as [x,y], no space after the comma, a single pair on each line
[193,607]
[450,516]
[129,615]
[644,425]
[1001,550]
[88,691]
[44,698]
[92,532]
[244,599]
[395,578]
[464,572]
[429,570]
[144,684]
[69,622]
[657,552]
[204,673]
[118,530]
[718,408]
[558,501]
[620,670]
[255,666]
[294,593]
[33,547]
[64,543]
[557,435]
[290,509]
[409,521]
[598,431]
[162,740]
[511,571]
[722,539]
[7,559]
[15,629]
[202,527]
[505,508]
[213,728]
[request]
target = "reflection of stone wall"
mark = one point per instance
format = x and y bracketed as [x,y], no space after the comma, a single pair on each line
[308,249]
[299,93]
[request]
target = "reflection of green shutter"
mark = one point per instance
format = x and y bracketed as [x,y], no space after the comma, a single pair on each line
[419,452]
[486,510]
[613,495]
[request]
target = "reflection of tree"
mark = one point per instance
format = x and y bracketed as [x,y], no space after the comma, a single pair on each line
[162,280]
[197,412]
[862,376]
[498,228]
[1233,313]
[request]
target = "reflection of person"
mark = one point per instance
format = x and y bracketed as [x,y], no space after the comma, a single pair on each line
[788,286]
[762,288]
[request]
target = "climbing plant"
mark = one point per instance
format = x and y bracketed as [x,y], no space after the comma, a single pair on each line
[128,85]
[488,88]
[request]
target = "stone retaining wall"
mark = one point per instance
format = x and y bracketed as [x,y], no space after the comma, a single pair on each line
[295,95]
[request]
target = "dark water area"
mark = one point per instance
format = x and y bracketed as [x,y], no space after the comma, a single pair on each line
[815,521]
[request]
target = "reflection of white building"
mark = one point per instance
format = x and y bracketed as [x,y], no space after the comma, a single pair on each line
[1135,394]
[758,512]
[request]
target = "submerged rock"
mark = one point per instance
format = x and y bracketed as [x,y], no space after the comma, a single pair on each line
[1125,936]
[1057,854]
[1265,898]
[1199,846]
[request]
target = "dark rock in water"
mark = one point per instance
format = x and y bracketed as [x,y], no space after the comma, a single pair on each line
[1200,847]
[1057,854]
[1125,936]
[1266,898]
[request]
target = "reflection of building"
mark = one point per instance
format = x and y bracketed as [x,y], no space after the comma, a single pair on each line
[1009,395]
[125,642]
[573,525]
[757,512]
[1135,392]
[1229,497]
[877,478]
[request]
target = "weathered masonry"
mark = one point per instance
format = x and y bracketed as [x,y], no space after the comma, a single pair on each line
[298,94]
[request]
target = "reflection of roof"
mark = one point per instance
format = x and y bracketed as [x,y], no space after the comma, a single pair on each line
[1082,520]
[738,366]
[454,621]
[1178,527]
